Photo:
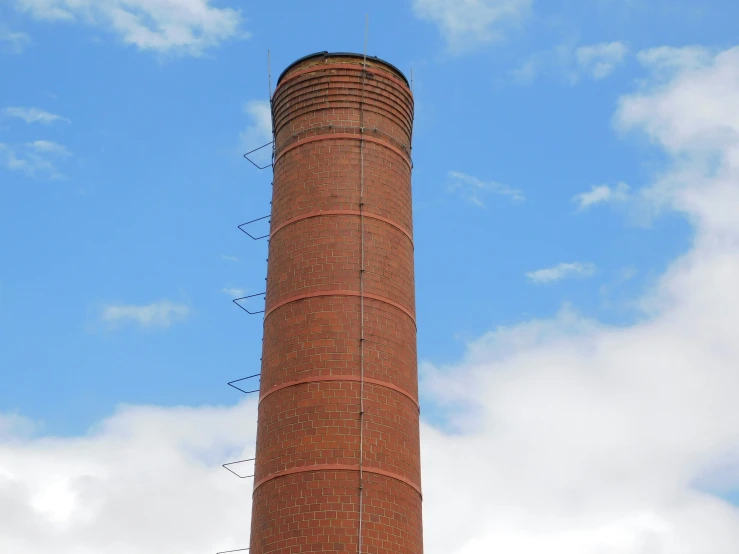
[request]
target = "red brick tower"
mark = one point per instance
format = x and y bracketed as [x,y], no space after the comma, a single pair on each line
[337,459]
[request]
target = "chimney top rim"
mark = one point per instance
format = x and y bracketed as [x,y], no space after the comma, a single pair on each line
[326,54]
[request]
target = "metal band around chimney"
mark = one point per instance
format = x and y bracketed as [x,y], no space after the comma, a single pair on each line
[338,467]
[340,293]
[342,212]
[340,378]
[343,136]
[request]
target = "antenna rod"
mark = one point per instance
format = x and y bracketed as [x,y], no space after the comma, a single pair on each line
[366,37]
[269,74]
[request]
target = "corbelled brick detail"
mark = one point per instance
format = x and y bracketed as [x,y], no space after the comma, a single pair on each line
[307,485]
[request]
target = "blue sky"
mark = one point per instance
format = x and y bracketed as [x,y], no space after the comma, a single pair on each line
[561,195]
[144,206]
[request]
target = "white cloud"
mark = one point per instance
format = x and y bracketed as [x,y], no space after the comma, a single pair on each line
[570,62]
[625,274]
[601,194]
[561,271]
[601,59]
[710,124]
[469,23]
[49,147]
[667,57]
[528,71]
[229,258]
[166,26]
[157,315]
[234,293]
[31,115]
[34,159]
[578,437]
[692,113]
[14,42]
[13,426]
[473,189]
[147,480]
[558,61]
[259,131]
[10,160]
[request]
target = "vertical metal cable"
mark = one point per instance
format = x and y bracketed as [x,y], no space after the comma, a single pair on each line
[361,292]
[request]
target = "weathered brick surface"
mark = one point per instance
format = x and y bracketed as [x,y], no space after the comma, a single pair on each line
[306,496]
[323,253]
[319,337]
[323,175]
[317,512]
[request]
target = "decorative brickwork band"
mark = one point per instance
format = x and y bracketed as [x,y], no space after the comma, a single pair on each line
[338,467]
[343,212]
[341,293]
[344,378]
[344,136]
[343,66]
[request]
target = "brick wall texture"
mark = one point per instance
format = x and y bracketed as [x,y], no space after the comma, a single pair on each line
[307,479]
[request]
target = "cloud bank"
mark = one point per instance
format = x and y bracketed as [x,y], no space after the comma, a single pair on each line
[146,480]
[580,438]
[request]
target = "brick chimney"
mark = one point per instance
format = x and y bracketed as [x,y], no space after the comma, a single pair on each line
[337,459]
